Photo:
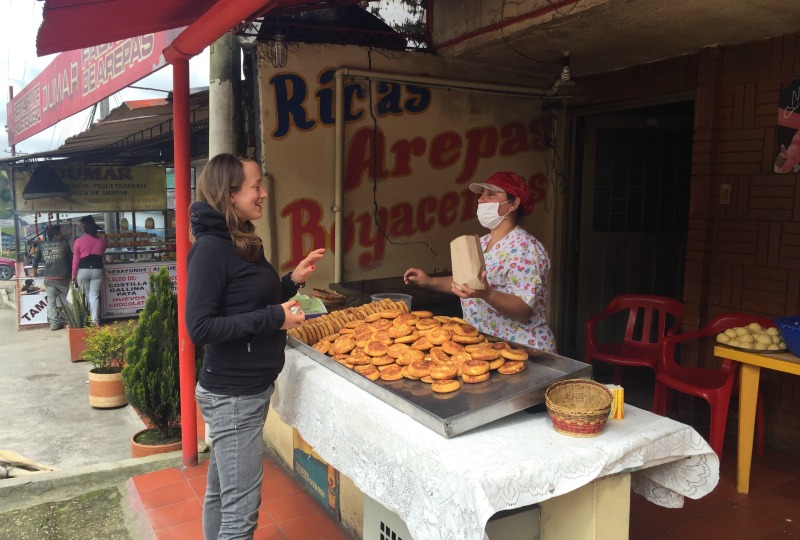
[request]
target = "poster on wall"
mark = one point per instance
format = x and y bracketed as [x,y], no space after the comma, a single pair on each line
[32,301]
[787,158]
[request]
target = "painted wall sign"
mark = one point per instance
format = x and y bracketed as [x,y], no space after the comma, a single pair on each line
[99,188]
[411,152]
[78,79]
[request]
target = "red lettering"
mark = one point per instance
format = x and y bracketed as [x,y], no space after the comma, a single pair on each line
[426,210]
[445,149]
[401,220]
[448,208]
[360,157]
[403,150]
[481,143]
[367,239]
[305,230]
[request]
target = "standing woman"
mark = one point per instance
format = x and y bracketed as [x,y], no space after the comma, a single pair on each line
[512,304]
[237,306]
[87,264]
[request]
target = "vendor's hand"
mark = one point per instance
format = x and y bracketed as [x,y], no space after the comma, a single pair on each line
[292,320]
[462,291]
[415,275]
[306,266]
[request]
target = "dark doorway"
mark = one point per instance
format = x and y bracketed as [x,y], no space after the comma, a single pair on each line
[634,174]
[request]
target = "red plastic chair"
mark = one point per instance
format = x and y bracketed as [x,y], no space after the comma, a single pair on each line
[650,319]
[713,385]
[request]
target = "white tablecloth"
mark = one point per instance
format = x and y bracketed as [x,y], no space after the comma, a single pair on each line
[449,488]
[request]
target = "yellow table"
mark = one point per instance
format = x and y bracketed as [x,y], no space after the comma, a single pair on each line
[752,362]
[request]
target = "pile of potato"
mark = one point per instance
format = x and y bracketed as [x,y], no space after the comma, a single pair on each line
[753,337]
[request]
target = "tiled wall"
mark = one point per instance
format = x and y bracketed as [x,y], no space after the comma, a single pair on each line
[743,256]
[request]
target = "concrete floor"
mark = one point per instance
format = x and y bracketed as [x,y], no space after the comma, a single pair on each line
[44,403]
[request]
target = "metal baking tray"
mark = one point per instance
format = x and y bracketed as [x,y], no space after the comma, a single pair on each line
[474,405]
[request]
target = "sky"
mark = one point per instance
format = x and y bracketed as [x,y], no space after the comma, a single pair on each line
[19,65]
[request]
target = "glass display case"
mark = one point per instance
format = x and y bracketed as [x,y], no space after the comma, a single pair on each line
[133,237]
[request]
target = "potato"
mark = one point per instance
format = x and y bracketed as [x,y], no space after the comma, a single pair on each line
[773,347]
[746,338]
[723,338]
[754,327]
[773,331]
[764,339]
[759,347]
[731,333]
[741,331]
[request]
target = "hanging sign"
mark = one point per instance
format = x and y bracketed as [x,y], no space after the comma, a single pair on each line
[97,189]
[78,79]
[127,287]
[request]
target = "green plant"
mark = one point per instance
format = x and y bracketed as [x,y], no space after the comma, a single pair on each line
[76,310]
[151,373]
[105,346]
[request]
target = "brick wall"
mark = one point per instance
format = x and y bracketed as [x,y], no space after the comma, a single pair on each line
[744,256]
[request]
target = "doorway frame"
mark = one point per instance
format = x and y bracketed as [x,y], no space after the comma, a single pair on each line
[566,287]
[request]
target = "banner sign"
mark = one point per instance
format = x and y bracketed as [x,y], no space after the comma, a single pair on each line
[99,188]
[127,286]
[78,79]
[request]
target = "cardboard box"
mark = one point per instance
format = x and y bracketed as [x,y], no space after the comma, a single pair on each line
[320,479]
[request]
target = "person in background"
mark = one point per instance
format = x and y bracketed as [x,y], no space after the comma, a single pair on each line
[87,265]
[238,307]
[32,247]
[512,304]
[57,256]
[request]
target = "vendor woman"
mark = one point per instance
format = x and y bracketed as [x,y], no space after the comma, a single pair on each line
[512,304]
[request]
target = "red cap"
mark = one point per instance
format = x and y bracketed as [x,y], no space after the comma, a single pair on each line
[511,183]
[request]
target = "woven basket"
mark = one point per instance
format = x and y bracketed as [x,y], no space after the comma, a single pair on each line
[330,299]
[578,407]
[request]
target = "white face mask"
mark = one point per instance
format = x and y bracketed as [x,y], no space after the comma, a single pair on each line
[488,217]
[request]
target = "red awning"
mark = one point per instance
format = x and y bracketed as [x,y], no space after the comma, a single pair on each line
[75,24]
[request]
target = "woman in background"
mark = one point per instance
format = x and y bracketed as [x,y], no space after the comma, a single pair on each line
[238,307]
[87,265]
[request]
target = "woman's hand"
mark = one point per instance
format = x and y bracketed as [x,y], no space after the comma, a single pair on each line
[292,319]
[462,291]
[415,275]
[306,266]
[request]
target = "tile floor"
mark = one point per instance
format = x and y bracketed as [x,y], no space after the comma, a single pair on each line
[173,499]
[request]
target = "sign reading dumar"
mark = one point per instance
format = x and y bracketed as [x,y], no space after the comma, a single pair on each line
[99,188]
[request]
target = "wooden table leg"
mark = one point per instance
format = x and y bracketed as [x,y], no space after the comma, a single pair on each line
[748,395]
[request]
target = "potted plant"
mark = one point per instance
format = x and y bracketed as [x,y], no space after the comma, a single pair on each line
[105,350]
[151,373]
[75,311]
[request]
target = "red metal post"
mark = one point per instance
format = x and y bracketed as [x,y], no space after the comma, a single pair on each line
[180,114]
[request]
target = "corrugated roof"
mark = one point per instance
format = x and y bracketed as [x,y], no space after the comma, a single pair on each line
[135,132]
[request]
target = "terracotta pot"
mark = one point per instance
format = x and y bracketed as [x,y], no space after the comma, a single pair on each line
[106,390]
[144,450]
[75,338]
